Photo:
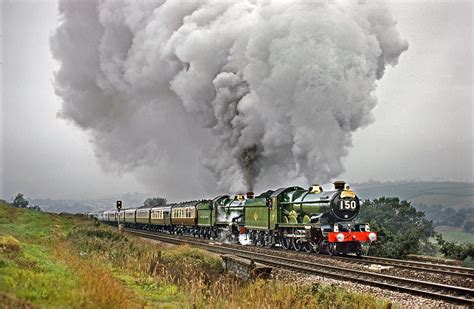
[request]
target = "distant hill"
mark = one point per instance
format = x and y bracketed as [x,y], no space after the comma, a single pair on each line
[85,206]
[448,194]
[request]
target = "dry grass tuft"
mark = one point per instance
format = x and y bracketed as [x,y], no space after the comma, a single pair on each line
[9,244]
[99,287]
[10,301]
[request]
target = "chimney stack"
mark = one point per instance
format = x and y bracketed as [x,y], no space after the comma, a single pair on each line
[339,185]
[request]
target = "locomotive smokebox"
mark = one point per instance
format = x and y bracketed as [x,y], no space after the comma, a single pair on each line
[250,194]
[339,185]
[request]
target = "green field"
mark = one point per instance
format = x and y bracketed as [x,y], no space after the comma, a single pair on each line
[457,236]
[68,261]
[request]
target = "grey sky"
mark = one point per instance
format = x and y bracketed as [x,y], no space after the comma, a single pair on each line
[422,129]
[43,156]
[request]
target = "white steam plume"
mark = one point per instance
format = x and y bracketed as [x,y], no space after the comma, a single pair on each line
[262,92]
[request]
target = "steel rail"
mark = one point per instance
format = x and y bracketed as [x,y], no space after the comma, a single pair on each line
[449,270]
[440,291]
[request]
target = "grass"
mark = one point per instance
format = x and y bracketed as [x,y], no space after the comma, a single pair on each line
[69,261]
[451,233]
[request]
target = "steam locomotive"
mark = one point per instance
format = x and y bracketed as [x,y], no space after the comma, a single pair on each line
[311,219]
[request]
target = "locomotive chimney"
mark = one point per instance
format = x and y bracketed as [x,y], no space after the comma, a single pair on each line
[339,185]
[250,194]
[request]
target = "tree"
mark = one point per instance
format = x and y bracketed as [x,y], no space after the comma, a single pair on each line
[155,201]
[20,201]
[402,229]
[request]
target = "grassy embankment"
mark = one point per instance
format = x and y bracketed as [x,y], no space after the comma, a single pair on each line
[49,260]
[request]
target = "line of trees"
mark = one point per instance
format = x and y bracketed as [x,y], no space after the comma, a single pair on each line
[448,216]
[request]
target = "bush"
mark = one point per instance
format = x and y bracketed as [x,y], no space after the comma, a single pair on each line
[454,249]
[105,234]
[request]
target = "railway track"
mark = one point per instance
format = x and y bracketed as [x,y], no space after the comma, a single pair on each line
[456,294]
[449,270]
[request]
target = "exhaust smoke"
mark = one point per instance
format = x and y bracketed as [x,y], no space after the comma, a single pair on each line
[260,93]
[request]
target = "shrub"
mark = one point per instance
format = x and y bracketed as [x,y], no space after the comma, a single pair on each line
[454,249]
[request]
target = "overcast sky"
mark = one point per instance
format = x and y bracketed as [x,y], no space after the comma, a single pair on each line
[422,130]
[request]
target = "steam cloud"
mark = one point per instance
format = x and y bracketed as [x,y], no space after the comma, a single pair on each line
[261,93]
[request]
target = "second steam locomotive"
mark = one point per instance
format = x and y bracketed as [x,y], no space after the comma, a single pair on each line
[293,217]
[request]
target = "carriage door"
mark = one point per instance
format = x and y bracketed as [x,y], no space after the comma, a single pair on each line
[166,217]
